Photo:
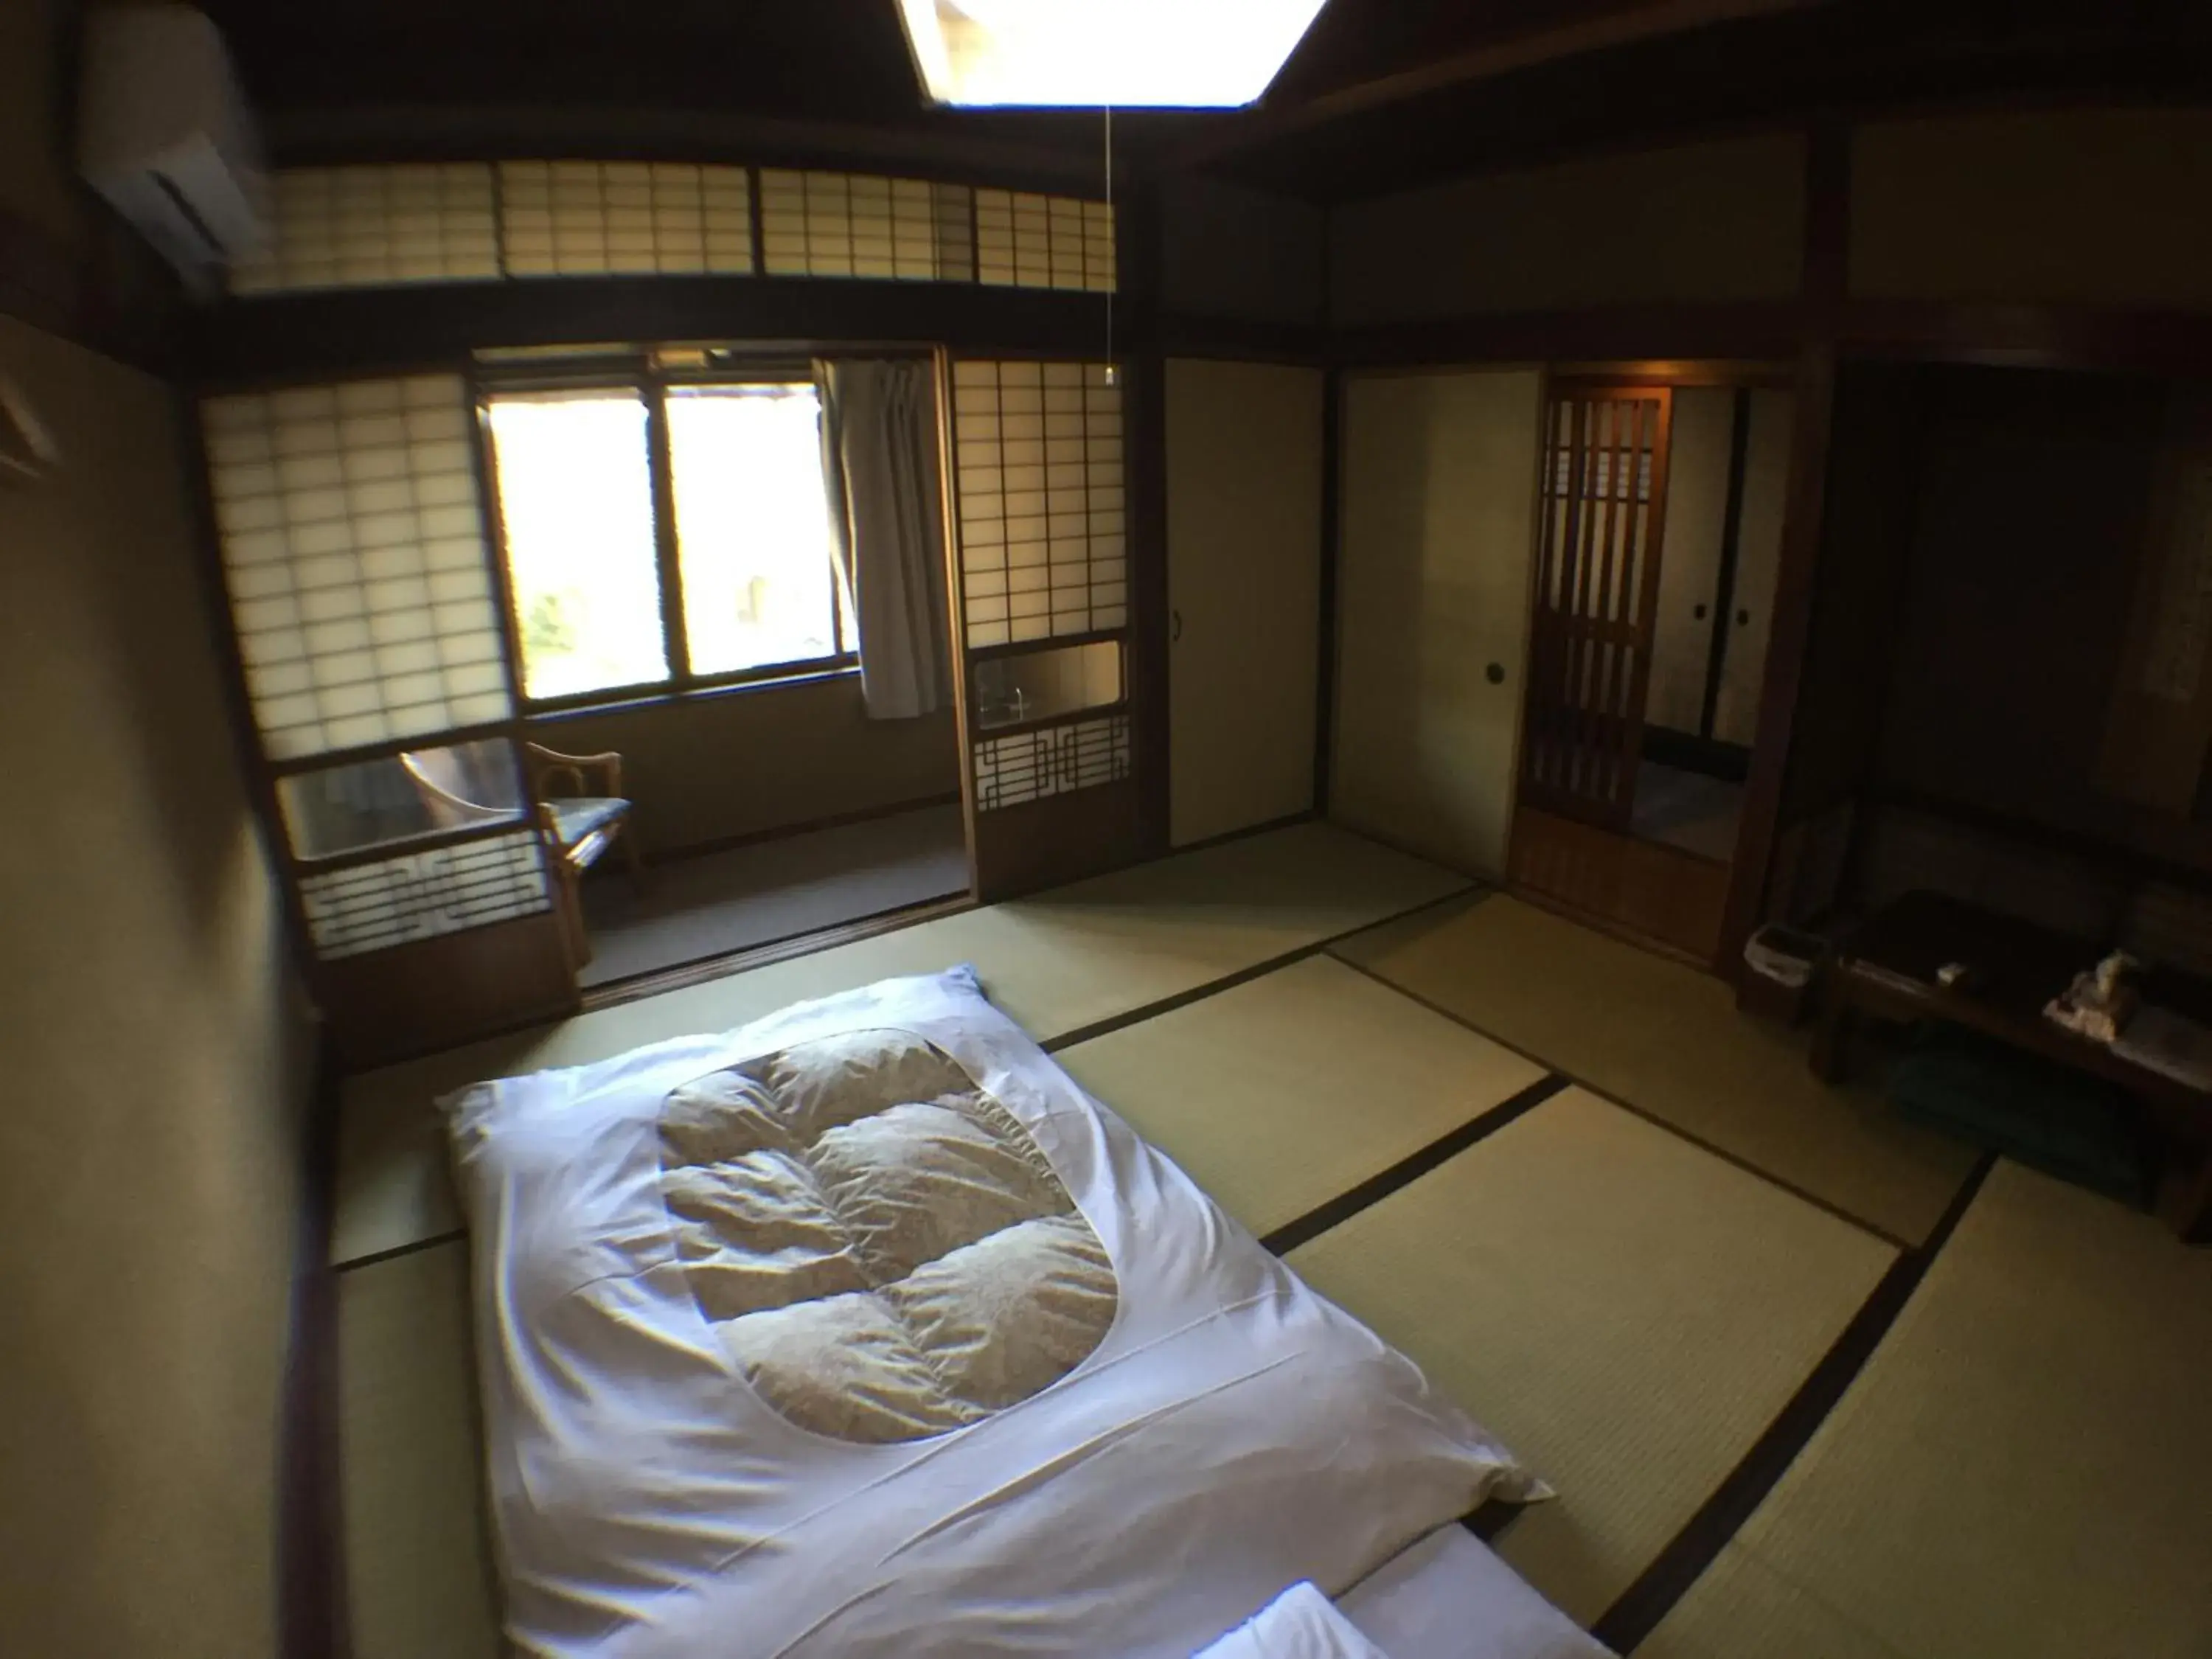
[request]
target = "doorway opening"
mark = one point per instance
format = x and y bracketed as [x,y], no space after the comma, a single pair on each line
[1659,538]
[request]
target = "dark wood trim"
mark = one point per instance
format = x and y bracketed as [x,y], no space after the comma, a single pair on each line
[412,1247]
[1825,274]
[1331,550]
[491,517]
[1145,454]
[311,1617]
[1049,642]
[1788,639]
[897,915]
[761,956]
[1605,31]
[1637,1611]
[1755,330]
[610,697]
[1407,1169]
[2112,339]
[1288,821]
[1674,373]
[699,849]
[1598,922]
[431,841]
[556,711]
[660,476]
[387,749]
[294,337]
[1758,342]
[1241,339]
[2096,847]
[955,151]
[1052,722]
[955,607]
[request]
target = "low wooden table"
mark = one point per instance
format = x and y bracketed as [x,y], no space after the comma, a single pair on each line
[1888,969]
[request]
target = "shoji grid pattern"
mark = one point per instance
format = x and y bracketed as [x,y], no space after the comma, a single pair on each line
[1042,509]
[847,224]
[370,226]
[419,896]
[619,218]
[1030,765]
[1043,241]
[353,550]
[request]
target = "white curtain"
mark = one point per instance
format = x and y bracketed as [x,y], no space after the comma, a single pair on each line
[879,457]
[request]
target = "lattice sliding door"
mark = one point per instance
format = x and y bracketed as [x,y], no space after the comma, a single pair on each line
[1041,573]
[1597,584]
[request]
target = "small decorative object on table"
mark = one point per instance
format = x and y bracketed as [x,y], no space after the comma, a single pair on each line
[2096,1003]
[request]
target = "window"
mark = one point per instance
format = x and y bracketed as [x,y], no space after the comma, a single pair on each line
[753,536]
[747,588]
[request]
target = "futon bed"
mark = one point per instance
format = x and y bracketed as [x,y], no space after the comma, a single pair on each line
[861,1330]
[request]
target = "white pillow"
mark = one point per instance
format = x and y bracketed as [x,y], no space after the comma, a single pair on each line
[1299,1624]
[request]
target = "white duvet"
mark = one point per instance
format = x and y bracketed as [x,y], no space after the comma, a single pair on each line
[862,1331]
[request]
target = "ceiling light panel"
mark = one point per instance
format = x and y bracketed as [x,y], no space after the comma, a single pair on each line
[1179,54]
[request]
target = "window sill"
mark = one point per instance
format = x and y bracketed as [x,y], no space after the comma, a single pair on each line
[628,699]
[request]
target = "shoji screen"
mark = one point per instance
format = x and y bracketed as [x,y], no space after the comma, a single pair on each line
[844,224]
[1043,512]
[624,218]
[353,550]
[1040,499]
[358,226]
[354,553]
[1043,241]
[370,226]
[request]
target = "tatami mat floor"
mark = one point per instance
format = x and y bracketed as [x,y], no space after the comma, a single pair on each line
[1630,1290]
[1667,1041]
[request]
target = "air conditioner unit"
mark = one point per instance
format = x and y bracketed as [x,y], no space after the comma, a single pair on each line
[165,135]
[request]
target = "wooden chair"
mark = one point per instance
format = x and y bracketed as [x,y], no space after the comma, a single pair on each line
[443,786]
[579,826]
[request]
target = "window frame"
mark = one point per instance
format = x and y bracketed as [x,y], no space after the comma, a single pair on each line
[651,381]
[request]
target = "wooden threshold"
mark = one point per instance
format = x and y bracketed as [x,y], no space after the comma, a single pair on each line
[760,955]
[1606,925]
[656,859]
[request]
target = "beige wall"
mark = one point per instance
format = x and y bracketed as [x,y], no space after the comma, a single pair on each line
[710,768]
[1704,222]
[2094,207]
[1244,482]
[147,1185]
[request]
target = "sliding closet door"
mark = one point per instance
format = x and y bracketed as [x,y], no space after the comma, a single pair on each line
[1244,460]
[1438,522]
[1597,587]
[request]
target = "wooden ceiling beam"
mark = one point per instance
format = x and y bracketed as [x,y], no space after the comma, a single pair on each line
[1619,28]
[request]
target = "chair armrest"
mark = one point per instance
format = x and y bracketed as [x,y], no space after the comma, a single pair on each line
[545,764]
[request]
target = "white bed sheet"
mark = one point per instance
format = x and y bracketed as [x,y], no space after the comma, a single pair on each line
[1233,1432]
[1451,1597]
